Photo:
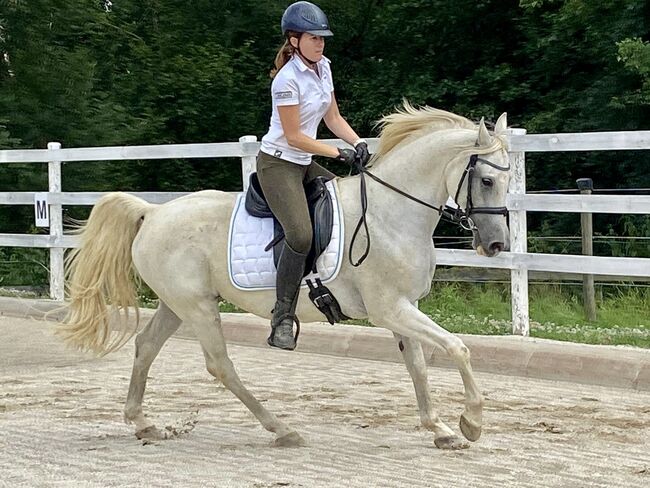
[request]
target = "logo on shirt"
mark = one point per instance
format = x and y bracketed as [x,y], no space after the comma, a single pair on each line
[283,94]
[277,153]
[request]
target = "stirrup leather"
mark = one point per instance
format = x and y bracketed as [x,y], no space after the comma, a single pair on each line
[325,301]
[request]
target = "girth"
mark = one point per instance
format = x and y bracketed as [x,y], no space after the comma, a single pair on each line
[321,213]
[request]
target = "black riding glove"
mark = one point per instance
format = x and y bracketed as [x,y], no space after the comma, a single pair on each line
[347,156]
[362,153]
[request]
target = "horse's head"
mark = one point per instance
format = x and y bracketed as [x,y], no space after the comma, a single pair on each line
[436,146]
[482,188]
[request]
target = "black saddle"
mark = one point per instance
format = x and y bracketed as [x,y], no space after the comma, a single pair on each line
[321,212]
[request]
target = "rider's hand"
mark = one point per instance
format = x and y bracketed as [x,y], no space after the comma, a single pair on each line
[361,150]
[347,156]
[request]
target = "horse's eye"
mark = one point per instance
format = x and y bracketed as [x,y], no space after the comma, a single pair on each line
[487,182]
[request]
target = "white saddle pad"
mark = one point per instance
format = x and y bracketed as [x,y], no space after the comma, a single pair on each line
[252,268]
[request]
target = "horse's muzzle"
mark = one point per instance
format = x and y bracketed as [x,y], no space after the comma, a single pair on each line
[493,249]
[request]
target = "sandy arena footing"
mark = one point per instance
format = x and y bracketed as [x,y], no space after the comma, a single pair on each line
[61,423]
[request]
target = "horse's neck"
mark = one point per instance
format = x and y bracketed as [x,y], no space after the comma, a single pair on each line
[419,170]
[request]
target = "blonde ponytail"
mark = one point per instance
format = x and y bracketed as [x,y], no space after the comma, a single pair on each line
[284,53]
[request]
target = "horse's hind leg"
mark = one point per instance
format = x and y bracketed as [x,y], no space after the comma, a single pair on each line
[444,437]
[206,323]
[147,346]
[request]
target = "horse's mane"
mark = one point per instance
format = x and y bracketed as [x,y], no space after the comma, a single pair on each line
[409,121]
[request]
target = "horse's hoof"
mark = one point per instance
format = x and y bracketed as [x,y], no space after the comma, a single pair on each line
[471,430]
[291,439]
[452,442]
[150,433]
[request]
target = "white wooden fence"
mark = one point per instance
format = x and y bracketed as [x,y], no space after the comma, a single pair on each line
[518,260]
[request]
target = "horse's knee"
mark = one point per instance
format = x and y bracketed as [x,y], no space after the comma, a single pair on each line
[457,349]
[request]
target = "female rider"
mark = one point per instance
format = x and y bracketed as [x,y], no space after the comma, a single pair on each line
[303,95]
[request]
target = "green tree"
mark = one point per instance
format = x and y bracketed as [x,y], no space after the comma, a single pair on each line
[161,71]
[635,54]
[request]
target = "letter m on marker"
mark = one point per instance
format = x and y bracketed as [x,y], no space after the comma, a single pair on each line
[41,209]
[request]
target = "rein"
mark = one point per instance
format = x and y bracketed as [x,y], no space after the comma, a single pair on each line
[453,215]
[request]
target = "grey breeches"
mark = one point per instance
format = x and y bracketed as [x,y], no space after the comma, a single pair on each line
[282,183]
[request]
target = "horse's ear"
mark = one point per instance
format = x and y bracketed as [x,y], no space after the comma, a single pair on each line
[484,137]
[502,124]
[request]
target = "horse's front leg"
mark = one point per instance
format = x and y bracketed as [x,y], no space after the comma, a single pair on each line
[406,320]
[444,437]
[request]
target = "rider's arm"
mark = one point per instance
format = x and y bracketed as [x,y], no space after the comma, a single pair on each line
[338,125]
[290,120]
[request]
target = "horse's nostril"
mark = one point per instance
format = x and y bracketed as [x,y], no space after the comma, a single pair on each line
[497,247]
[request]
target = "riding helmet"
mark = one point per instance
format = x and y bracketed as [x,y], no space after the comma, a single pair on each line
[305,17]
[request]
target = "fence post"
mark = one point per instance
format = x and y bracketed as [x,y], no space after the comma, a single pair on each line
[57,279]
[518,243]
[586,185]
[249,154]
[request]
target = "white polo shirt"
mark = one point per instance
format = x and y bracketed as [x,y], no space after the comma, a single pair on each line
[296,84]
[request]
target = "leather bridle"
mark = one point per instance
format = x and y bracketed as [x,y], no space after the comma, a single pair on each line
[464,216]
[454,215]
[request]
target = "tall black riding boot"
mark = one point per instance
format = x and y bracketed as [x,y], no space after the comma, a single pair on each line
[291,266]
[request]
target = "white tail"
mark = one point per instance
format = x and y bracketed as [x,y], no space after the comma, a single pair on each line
[101,280]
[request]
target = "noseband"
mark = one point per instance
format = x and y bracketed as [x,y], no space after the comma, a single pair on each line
[454,215]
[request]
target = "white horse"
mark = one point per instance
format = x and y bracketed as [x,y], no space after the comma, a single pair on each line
[180,250]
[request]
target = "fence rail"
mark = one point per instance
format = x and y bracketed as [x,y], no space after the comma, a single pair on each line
[518,261]
[498,275]
[617,204]
[581,141]
[80,198]
[558,263]
[120,153]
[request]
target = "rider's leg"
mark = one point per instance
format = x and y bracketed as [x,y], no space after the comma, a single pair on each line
[315,170]
[289,275]
[282,184]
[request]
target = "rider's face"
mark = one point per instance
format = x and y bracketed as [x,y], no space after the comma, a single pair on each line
[311,46]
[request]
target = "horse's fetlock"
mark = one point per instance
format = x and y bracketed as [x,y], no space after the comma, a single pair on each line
[479,402]
[130,413]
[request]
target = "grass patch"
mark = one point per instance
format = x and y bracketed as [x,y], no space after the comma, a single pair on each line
[556,312]
[31,293]
[23,266]
[229,308]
